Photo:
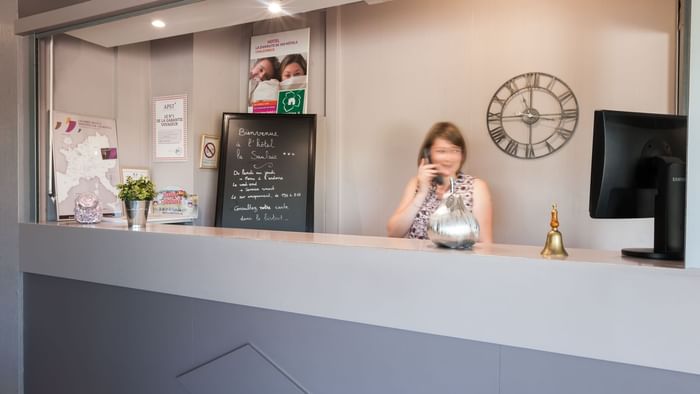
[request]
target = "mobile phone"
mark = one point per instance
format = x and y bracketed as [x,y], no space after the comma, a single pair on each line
[437,180]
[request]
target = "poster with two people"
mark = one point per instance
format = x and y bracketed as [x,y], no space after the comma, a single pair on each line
[279,69]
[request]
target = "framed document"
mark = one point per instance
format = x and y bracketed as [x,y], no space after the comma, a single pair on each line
[170,128]
[135,173]
[209,152]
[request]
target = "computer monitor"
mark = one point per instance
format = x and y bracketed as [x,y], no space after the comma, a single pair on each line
[638,171]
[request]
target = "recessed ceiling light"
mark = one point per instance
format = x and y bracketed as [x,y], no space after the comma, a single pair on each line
[274,7]
[158,23]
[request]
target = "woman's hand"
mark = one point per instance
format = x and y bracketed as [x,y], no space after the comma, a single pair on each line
[426,174]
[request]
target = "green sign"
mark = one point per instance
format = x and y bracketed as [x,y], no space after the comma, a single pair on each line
[291,101]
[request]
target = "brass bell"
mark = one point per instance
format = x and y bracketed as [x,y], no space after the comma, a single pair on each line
[554,245]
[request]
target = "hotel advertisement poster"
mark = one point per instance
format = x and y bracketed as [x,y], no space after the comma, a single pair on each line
[278,73]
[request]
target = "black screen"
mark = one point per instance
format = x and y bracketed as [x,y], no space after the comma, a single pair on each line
[622,180]
[638,171]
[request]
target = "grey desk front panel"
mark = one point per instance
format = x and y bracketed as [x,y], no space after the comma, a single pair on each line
[82,337]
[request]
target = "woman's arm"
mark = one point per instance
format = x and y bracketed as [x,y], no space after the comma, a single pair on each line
[413,196]
[483,210]
[402,219]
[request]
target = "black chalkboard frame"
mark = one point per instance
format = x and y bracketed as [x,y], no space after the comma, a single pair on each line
[310,119]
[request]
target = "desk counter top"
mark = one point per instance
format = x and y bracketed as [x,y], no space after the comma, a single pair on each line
[593,304]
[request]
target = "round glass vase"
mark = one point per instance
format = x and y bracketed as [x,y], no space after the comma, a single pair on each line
[88,209]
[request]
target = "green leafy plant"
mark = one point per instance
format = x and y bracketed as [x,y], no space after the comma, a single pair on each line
[142,189]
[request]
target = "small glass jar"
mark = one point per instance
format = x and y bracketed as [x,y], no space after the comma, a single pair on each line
[88,209]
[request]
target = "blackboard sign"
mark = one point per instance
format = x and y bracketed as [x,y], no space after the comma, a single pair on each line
[266,172]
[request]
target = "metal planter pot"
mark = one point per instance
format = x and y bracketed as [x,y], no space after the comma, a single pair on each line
[137,213]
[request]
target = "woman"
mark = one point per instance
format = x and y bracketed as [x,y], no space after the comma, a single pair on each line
[293,65]
[424,192]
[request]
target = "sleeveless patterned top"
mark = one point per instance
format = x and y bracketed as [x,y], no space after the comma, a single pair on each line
[464,186]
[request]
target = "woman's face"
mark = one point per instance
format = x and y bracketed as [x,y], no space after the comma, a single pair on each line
[262,71]
[292,70]
[447,157]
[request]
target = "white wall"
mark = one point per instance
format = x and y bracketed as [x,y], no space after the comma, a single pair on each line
[407,64]
[217,70]
[84,77]
[384,73]
[220,75]
[133,92]
[210,67]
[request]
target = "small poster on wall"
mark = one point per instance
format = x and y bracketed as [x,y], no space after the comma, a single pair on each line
[135,173]
[170,128]
[279,70]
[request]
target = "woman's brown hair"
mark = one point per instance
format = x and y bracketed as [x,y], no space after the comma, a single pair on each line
[293,58]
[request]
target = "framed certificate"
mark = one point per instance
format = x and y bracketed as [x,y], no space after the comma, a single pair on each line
[209,152]
[135,173]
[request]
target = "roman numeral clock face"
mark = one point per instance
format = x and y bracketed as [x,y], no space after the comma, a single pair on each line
[532,115]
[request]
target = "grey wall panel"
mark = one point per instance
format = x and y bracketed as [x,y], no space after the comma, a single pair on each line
[217,89]
[31,7]
[132,96]
[244,370]
[88,338]
[533,372]
[82,338]
[84,77]
[332,356]
[171,74]
[42,15]
[11,135]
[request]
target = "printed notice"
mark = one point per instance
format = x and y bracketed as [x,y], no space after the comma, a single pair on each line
[170,128]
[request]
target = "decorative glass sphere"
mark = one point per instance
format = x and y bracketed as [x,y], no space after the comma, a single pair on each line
[87,208]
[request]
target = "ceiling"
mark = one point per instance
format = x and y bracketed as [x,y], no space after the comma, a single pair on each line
[194,17]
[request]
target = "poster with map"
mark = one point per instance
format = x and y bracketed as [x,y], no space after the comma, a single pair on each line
[84,160]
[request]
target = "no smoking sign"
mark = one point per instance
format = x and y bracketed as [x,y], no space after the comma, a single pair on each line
[209,152]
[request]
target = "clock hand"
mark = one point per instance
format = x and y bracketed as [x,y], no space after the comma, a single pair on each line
[558,114]
[519,115]
[525,102]
[529,115]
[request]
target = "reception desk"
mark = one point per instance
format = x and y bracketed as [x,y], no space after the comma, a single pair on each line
[339,313]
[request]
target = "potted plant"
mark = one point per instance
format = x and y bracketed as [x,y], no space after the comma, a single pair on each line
[137,195]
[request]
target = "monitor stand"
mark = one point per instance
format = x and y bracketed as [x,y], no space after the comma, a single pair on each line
[669,213]
[649,253]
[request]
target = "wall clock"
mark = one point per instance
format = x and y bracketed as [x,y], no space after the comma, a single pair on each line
[532,115]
